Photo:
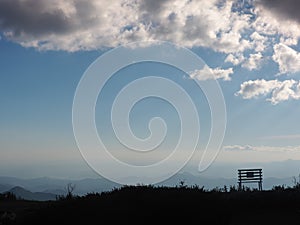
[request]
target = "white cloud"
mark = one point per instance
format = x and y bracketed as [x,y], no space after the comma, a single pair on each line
[289,41]
[287,58]
[279,91]
[262,148]
[254,88]
[235,59]
[289,89]
[297,89]
[283,92]
[238,148]
[207,73]
[253,62]
[259,41]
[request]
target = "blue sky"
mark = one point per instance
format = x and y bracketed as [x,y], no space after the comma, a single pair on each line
[251,47]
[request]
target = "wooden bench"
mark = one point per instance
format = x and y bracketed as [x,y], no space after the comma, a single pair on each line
[250,176]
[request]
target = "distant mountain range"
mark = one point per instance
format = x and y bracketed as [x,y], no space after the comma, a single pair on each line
[57,186]
[48,188]
[22,193]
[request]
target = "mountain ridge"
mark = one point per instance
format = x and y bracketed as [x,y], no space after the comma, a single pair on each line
[92,185]
[22,193]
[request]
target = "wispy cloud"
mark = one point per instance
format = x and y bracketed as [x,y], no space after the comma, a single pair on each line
[238,148]
[207,73]
[262,148]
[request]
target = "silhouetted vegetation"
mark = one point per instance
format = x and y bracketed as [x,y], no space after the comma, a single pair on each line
[8,196]
[158,204]
[69,190]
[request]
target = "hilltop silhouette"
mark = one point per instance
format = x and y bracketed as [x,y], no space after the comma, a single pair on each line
[151,205]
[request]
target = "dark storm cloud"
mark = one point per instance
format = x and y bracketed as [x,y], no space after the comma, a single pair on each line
[153,6]
[286,9]
[28,17]
[33,17]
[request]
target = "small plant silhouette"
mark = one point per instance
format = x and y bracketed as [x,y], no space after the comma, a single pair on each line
[296,182]
[278,188]
[70,189]
[182,184]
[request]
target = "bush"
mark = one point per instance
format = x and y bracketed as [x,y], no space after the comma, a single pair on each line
[278,188]
[8,196]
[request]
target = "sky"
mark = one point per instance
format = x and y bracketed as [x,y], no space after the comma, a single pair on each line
[250,47]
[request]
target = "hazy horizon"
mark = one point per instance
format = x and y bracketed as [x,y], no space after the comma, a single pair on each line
[276,169]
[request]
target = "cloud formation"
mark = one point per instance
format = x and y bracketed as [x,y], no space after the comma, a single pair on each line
[247,33]
[235,59]
[287,58]
[269,22]
[253,62]
[278,91]
[74,25]
[286,10]
[224,26]
[207,73]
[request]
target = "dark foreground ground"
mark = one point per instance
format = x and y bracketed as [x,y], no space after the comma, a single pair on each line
[152,205]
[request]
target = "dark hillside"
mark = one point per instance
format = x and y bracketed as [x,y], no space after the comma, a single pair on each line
[143,204]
